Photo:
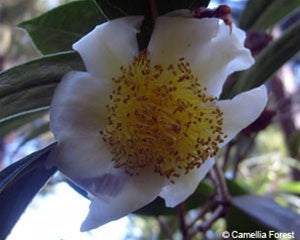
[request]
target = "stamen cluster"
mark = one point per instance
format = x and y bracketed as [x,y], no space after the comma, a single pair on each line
[161,117]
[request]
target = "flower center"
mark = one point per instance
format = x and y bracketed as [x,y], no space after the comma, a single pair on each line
[161,118]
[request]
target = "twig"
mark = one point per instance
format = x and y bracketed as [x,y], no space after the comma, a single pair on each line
[182,223]
[219,212]
[227,153]
[221,184]
[165,228]
[205,209]
[243,154]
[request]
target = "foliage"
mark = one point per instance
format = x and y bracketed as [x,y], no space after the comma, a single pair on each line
[18,185]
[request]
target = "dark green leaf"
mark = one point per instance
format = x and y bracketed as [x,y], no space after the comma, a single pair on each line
[252,11]
[274,13]
[238,220]
[19,183]
[235,189]
[120,8]
[31,85]
[14,122]
[112,9]
[58,29]
[265,211]
[171,5]
[267,63]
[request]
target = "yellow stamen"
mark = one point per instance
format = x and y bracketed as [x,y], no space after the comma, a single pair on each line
[161,118]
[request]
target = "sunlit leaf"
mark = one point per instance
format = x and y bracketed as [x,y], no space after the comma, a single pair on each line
[31,85]
[19,183]
[292,187]
[58,29]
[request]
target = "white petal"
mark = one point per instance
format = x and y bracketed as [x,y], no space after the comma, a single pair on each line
[185,185]
[82,156]
[78,105]
[110,46]
[136,192]
[180,13]
[213,53]
[187,34]
[242,110]
[77,113]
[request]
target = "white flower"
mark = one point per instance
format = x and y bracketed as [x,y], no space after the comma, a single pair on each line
[140,125]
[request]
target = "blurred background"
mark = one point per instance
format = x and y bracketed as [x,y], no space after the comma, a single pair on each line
[264,159]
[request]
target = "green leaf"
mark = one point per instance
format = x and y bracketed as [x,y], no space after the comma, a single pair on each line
[19,183]
[58,29]
[292,187]
[31,85]
[262,14]
[112,9]
[237,220]
[13,122]
[171,5]
[120,8]
[252,11]
[267,62]
[274,13]
[234,188]
[266,213]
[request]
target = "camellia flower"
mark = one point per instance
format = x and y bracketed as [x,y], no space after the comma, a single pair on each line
[138,125]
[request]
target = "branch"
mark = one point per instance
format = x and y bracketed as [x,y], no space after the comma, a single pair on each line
[165,228]
[219,212]
[227,153]
[206,208]
[221,185]
[182,223]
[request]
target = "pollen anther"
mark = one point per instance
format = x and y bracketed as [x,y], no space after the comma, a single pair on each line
[161,117]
